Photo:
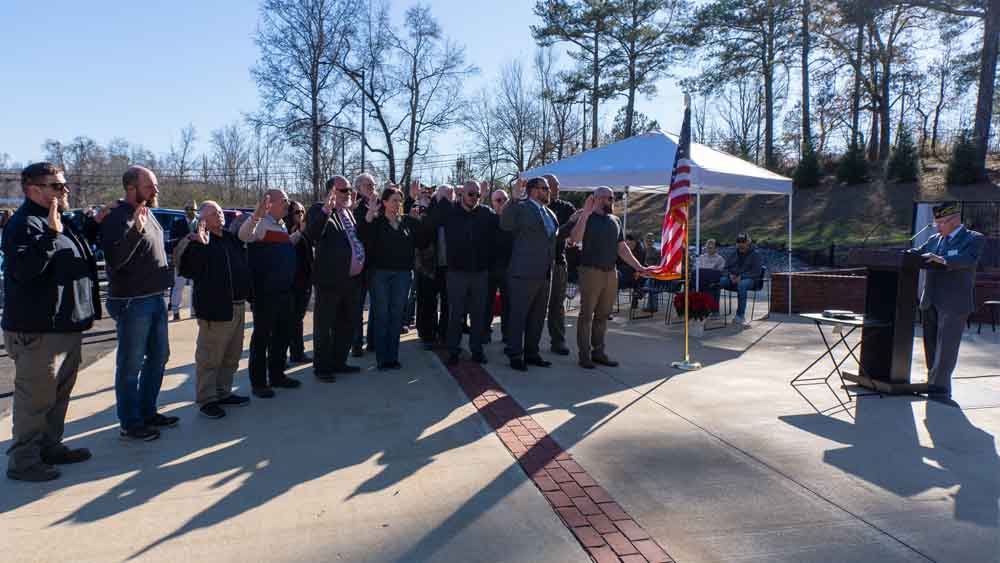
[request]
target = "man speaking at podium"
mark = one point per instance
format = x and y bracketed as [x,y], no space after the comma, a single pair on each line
[950,257]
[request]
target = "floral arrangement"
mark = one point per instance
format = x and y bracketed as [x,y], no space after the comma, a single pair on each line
[702,305]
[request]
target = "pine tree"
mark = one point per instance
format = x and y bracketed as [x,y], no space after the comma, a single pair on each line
[904,165]
[963,166]
[852,168]
[807,173]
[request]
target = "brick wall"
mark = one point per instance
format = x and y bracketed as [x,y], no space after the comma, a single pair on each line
[813,292]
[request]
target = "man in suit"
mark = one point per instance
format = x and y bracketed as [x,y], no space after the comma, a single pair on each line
[337,276]
[951,257]
[534,227]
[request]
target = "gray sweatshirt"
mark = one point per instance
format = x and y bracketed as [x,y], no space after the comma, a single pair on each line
[136,262]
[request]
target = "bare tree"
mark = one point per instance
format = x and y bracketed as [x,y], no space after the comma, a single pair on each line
[740,111]
[481,122]
[181,156]
[231,157]
[298,41]
[517,114]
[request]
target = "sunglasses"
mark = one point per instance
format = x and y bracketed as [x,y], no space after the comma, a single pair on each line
[56,186]
[472,194]
[345,190]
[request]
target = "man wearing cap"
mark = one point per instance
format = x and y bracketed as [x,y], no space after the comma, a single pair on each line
[743,270]
[951,256]
[178,232]
[603,243]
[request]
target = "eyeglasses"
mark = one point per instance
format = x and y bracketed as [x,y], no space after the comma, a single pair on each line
[472,194]
[299,212]
[345,190]
[56,186]
[500,200]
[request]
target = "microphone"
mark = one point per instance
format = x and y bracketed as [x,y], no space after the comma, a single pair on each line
[929,225]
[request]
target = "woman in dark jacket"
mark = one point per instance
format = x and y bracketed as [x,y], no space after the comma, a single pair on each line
[390,240]
[302,288]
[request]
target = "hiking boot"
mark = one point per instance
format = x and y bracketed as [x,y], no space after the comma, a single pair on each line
[162,421]
[140,434]
[36,473]
[212,410]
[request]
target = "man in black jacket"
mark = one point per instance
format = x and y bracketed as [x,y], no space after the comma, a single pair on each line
[337,276]
[469,230]
[560,273]
[216,261]
[51,297]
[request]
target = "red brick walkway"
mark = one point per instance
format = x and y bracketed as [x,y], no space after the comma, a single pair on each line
[603,528]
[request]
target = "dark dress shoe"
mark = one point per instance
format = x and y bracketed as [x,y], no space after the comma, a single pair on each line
[263,392]
[140,434]
[212,410]
[286,383]
[358,352]
[538,361]
[346,369]
[326,377]
[61,455]
[303,359]
[382,366]
[234,400]
[604,360]
[162,421]
[518,364]
[586,364]
[36,473]
[561,350]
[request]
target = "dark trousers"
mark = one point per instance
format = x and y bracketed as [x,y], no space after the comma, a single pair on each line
[361,335]
[432,306]
[300,302]
[529,299]
[410,310]
[497,282]
[557,306]
[334,318]
[272,321]
[466,293]
[942,337]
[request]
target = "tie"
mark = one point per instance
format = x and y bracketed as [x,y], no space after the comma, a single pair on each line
[550,227]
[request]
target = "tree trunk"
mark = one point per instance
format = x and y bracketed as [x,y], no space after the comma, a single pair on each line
[859,46]
[596,93]
[987,84]
[806,40]
[769,160]
[314,141]
[885,137]
[630,103]
[873,141]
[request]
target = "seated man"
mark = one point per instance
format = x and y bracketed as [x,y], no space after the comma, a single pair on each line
[743,271]
[711,266]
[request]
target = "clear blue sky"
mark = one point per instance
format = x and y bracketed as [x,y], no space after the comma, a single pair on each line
[143,70]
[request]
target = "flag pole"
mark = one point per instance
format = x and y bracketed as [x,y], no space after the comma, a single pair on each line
[687,364]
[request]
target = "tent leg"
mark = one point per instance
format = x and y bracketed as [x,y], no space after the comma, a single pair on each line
[789,254]
[697,236]
[625,219]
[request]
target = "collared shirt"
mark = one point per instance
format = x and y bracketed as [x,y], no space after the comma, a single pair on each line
[550,224]
[357,249]
[256,231]
[948,239]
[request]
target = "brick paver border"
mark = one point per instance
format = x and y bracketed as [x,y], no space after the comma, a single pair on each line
[599,523]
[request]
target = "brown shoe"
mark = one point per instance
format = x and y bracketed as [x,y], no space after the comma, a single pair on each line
[604,360]
[586,364]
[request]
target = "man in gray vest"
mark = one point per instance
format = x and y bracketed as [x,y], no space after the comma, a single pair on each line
[951,257]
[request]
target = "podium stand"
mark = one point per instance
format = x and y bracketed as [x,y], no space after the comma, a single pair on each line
[890,300]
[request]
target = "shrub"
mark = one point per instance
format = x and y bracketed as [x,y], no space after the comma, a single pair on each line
[904,164]
[807,173]
[852,168]
[962,167]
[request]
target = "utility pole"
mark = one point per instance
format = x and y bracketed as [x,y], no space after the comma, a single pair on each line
[363,138]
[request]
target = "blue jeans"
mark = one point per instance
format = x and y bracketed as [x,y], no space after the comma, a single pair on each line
[143,349]
[359,332]
[741,289]
[391,289]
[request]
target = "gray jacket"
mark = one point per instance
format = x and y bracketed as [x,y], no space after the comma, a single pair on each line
[747,266]
[952,289]
[533,250]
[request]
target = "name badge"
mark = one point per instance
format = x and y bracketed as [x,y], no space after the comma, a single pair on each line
[952,253]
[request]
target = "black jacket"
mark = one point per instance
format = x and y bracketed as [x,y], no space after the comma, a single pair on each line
[468,234]
[136,263]
[220,272]
[50,278]
[332,263]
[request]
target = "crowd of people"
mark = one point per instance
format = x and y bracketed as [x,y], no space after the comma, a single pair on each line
[450,258]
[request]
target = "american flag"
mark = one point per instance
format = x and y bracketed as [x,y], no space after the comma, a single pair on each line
[675,217]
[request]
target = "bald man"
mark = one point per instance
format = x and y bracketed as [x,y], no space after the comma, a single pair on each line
[272,264]
[138,275]
[560,273]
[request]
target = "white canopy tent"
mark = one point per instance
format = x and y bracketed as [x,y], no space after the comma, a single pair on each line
[644,163]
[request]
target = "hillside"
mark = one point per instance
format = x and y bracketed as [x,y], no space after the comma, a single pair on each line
[828,214]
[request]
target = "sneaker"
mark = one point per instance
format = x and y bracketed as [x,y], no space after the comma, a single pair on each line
[61,455]
[286,383]
[263,392]
[141,434]
[162,421]
[234,401]
[603,360]
[212,410]
[36,473]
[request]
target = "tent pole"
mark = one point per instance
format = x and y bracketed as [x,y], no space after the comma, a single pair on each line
[697,238]
[625,220]
[789,254]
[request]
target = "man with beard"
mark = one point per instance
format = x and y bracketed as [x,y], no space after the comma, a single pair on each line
[533,227]
[603,241]
[557,295]
[51,296]
[138,275]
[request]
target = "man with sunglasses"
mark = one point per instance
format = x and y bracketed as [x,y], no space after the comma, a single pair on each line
[51,297]
[338,270]
[469,229]
[534,228]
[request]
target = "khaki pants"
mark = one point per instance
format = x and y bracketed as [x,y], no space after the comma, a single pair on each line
[45,369]
[217,356]
[597,296]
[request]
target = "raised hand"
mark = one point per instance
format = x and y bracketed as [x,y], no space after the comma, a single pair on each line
[589,205]
[139,218]
[519,188]
[328,204]
[414,190]
[373,211]
[201,235]
[55,216]
[263,207]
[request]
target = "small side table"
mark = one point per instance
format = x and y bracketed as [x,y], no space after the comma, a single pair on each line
[994,307]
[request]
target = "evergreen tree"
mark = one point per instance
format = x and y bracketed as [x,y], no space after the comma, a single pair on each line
[807,173]
[905,162]
[852,168]
[963,167]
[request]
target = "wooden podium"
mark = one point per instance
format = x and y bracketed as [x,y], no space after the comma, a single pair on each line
[890,297]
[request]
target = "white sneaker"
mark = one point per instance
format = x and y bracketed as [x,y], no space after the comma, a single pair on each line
[739,322]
